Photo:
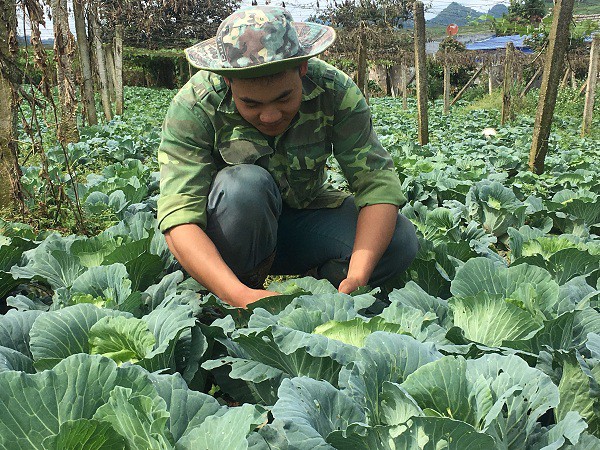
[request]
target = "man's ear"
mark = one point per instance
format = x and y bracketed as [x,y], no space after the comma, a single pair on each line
[227,81]
[303,68]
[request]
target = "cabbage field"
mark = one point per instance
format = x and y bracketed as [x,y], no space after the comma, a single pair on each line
[491,340]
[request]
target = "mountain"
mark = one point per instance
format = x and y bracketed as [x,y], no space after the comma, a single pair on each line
[498,10]
[455,13]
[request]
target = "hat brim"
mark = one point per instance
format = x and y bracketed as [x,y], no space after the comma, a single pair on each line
[314,39]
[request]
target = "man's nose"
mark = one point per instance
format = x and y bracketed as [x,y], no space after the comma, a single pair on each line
[270,115]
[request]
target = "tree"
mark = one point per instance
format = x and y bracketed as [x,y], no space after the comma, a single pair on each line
[83,44]
[9,168]
[526,11]
[64,55]
[176,24]
[383,13]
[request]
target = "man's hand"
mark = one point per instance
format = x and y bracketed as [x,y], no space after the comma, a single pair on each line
[349,285]
[200,258]
[251,296]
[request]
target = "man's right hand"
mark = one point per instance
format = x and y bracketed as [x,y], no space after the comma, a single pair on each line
[198,255]
[251,296]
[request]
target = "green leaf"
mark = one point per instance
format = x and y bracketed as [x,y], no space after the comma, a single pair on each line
[15,328]
[355,331]
[260,381]
[121,339]
[291,353]
[578,391]
[187,408]
[312,410]
[14,360]
[555,334]
[229,430]
[565,264]
[34,406]
[142,420]
[482,274]
[85,434]
[413,295]
[144,270]
[91,252]
[442,386]
[58,268]
[385,358]
[167,323]
[522,395]
[110,282]
[422,433]
[397,406]
[490,320]
[305,285]
[65,332]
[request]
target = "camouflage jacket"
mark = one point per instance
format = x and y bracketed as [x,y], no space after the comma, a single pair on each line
[203,133]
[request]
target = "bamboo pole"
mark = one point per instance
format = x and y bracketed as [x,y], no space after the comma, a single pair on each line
[404,86]
[447,85]
[421,72]
[588,109]
[557,46]
[361,76]
[466,86]
[507,83]
[529,85]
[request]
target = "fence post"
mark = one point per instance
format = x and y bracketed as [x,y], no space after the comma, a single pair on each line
[447,85]
[491,78]
[421,72]
[530,84]
[361,67]
[469,83]
[404,85]
[558,40]
[588,108]
[507,82]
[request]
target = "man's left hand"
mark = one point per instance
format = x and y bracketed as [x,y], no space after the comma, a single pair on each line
[349,285]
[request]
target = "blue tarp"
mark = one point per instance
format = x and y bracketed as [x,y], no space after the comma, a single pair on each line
[499,42]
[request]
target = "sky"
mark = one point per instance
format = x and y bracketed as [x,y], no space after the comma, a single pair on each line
[302,9]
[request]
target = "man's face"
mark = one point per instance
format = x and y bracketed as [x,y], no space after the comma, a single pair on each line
[269,103]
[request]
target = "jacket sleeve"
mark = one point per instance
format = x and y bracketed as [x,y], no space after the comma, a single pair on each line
[186,164]
[367,166]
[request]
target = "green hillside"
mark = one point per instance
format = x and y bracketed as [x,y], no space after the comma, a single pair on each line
[582,6]
[455,13]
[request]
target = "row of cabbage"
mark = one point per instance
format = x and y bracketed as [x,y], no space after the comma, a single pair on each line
[493,342]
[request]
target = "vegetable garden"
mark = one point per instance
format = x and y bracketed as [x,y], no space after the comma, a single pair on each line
[490,340]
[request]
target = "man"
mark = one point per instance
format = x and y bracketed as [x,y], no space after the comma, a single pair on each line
[243,165]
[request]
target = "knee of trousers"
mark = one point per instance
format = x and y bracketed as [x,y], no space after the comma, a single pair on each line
[245,190]
[243,209]
[401,251]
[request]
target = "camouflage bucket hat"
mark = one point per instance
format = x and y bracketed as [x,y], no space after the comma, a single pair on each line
[258,41]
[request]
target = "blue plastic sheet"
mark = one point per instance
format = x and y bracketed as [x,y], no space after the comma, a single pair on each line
[499,42]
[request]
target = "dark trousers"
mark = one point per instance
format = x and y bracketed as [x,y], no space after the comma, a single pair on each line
[247,221]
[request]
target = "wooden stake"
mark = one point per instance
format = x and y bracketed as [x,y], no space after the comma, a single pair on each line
[557,46]
[421,72]
[535,76]
[588,108]
[404,86]
[361,77]
[507,82]
[447,85]
[563,82]
[466,86]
